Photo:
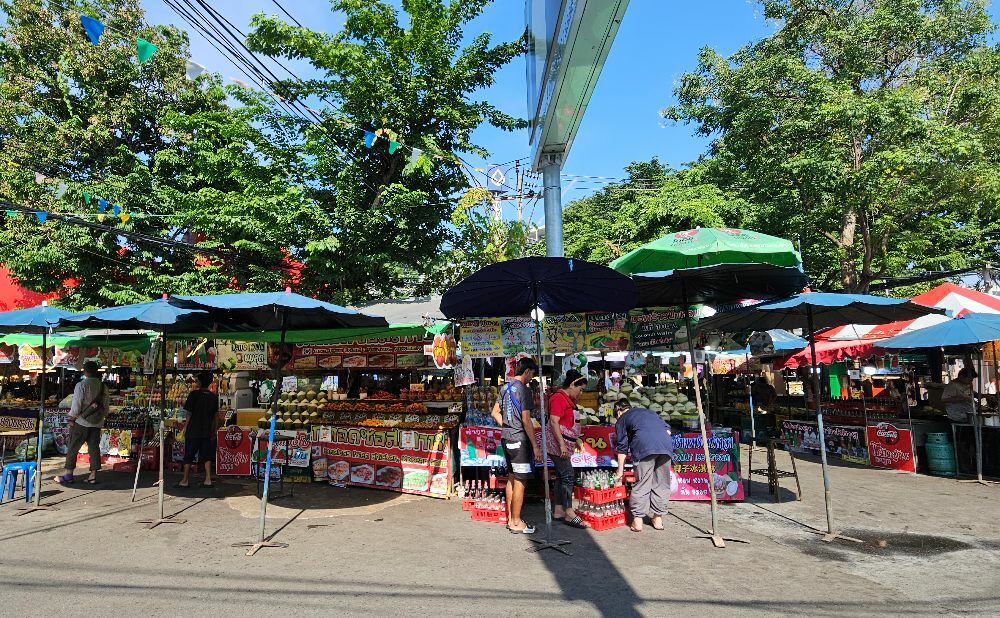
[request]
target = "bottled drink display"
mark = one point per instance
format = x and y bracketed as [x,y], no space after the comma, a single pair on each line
[598,511]
[597,479]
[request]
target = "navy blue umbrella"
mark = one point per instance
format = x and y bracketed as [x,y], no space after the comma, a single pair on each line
[557,285]
[158,315]
[38,320]
[819,310]
[720,283]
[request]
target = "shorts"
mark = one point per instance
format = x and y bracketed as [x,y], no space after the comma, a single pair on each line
[203,448]
[520,458]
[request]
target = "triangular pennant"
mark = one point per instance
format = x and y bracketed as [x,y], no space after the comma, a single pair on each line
[102,205]
[393,146]
[414,155]
[11,213]
[42,216]
[61,190]
[86,198]
[369,139]
[193,69]
[40,178]
[101,218]
[145,49]
[116,209]
[93,28]
[125,216]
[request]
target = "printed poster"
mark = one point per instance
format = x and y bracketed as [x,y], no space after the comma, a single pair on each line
[480,446]
[565,333]
[844,442]
[464,375]
[607,332]
[242,355]
[692,473]
[482,338]
[67,357]
[407,461]
[232,452]
[891,447]
[30,357]
[196,355]
[660,327]
[519,336]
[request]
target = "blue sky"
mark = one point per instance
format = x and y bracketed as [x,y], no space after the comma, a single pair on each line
[657,42]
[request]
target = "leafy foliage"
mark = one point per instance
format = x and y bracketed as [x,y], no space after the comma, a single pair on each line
[868,127]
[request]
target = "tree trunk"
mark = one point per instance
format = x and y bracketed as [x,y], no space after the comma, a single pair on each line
[848,273]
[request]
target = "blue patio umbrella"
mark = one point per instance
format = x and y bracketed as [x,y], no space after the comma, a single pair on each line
[552,284]
[972,329]
[275,311]
[37,320]
[775,341]
[812,311]
[159,315]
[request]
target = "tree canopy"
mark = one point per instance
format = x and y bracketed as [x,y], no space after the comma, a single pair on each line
[866,127]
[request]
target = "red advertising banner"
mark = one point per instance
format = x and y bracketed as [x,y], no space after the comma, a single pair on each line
[691,473]
[891,447]
[407,461]
[232,452]
[480,446]
[387,353]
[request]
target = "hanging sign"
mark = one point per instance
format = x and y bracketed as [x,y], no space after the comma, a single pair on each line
[659,328]
[242,355]
[443,350]
[29,357]
[519,336]
[481,338]
[383,353]
[8,354]
[464,375]
[67,357]
[196,355]
[891,447]
[232,452]
[607,332]
[565,333]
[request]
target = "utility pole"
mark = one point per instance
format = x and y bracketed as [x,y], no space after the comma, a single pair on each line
[520,193]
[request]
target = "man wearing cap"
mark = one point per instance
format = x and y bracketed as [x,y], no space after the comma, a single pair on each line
[86,417]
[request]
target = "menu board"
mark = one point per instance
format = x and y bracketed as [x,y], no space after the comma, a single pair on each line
[481,338]
[659,328]
[607,332]
[407,461]
[565,333]
[382,353]
[519,336]
[691,473]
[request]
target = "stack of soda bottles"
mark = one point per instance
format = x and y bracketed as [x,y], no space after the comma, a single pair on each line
[489,505]
[601,500]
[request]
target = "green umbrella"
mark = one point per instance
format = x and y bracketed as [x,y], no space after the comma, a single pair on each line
[706,247]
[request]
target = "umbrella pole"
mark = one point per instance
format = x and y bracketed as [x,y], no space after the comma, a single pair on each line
[753,423]
[830,534]
[152,523]
[547,543]
[254,547]
[38,506]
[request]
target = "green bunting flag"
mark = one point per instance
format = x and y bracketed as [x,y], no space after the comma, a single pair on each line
[11,213]
[393,146]
[145,49]
[86,198]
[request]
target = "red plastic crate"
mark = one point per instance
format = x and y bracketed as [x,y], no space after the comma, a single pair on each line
[598,524]
[498,482]
[600,496]
[467,503]
[489,516]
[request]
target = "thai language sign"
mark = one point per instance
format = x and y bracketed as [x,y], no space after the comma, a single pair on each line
[480,446]
[607,332]
[242,355]
[387,353]
[565,333]
[659,328]
[691,472]
[891,447]
[847,443]
[407,461]
[519,336]
[232,452]
[482,338]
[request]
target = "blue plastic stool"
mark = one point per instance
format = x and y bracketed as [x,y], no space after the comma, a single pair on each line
[8,482]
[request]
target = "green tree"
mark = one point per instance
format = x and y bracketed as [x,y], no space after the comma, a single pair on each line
[867,127]
[169,150]
[651,202]
[409,74]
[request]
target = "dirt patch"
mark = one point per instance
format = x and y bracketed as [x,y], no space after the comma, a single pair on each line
[885,544]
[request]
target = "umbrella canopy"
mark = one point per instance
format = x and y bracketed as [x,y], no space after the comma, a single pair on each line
[719,283]
[705,247]
[970,329]
[265,311]
[33,320]
[159,315]
[775,341]
[827,310]
[560,285]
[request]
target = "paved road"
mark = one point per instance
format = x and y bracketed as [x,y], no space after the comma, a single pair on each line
[932,548]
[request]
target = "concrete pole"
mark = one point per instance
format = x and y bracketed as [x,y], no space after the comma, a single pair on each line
[551,168]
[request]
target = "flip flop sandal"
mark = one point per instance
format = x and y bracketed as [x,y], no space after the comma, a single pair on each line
[179,486]
[91,481]
[576,522]
[66,479]
[527,529]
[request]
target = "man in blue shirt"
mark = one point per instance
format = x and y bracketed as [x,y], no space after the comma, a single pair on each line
[646,437]
[512,411]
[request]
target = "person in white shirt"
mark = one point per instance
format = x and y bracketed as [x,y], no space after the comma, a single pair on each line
[86,417]
[957,397]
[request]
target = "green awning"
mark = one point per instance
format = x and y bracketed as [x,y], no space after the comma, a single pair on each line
[126,343]
[335,335]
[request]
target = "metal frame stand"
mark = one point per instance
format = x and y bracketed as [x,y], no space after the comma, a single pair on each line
[38,506]
[160,519]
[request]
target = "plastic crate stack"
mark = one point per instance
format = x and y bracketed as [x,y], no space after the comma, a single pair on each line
[603,509]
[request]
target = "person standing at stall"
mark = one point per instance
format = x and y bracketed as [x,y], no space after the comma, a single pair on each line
[86,417]
[957,397]
[564,427]
[764,395]
[512,412]
[641,433]
[202,407]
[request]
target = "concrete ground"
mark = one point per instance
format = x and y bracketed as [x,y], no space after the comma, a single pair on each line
[932,547]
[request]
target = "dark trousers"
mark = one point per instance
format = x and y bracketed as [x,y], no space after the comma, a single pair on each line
[651,492]
[565,479]
[78,436]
